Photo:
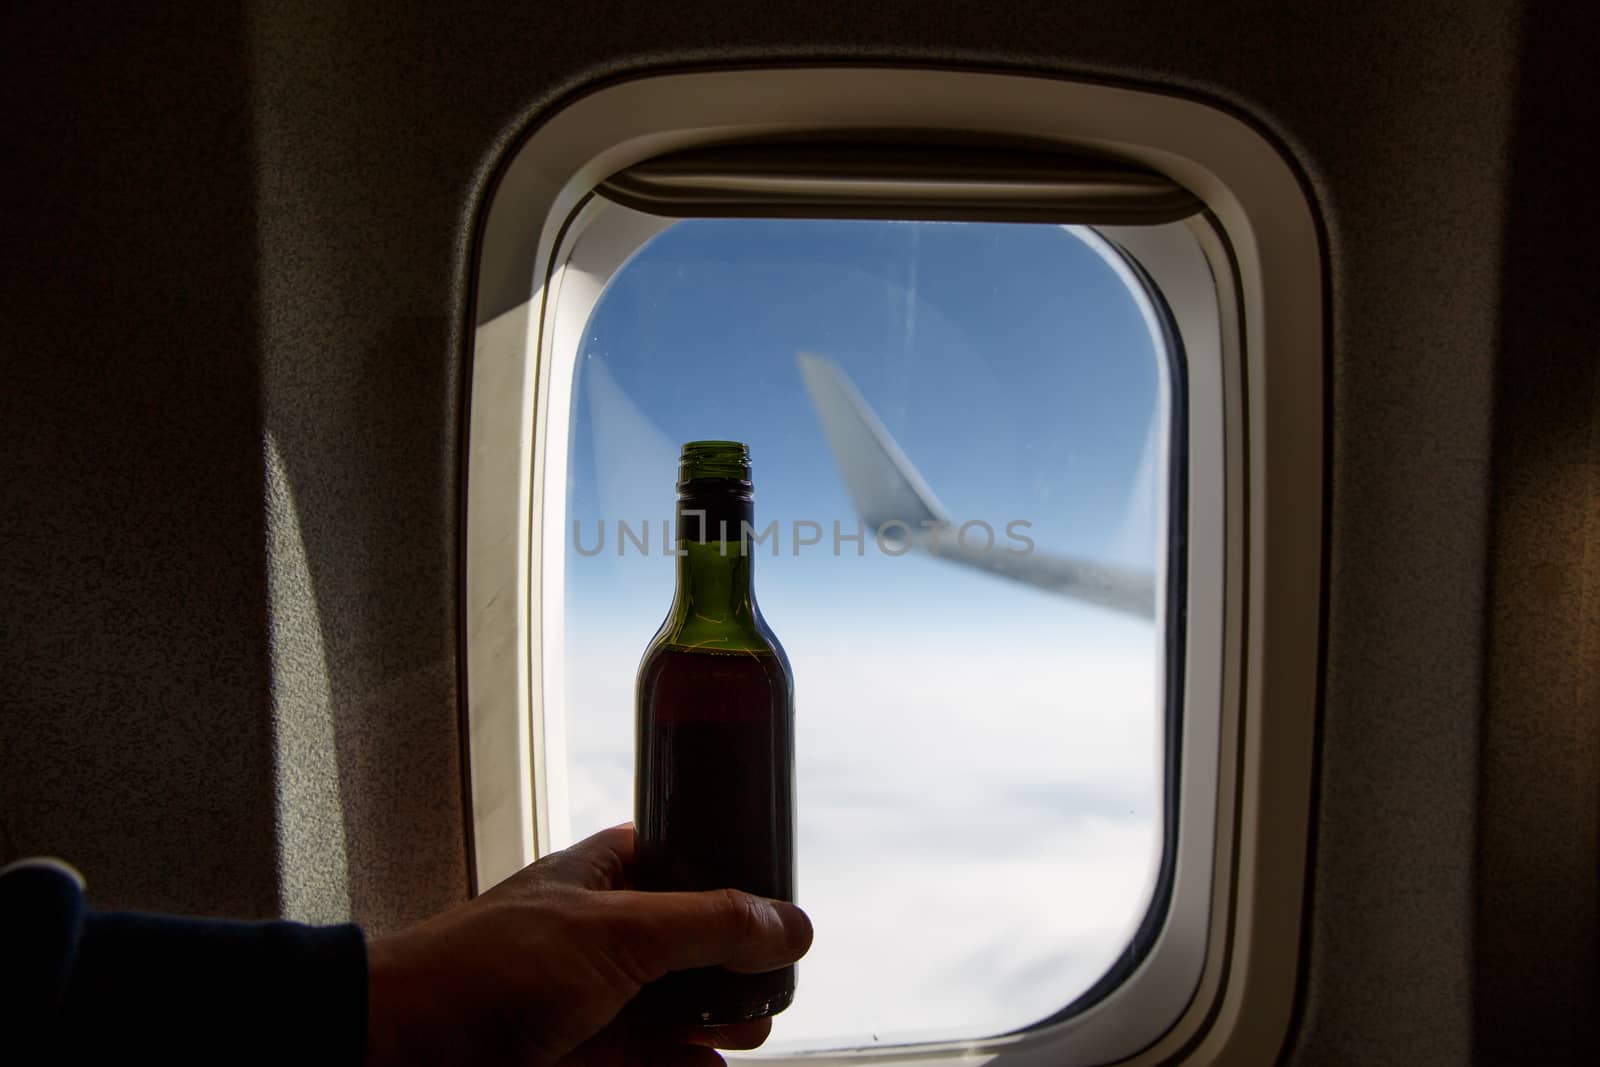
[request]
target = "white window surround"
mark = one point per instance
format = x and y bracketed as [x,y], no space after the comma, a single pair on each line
[601,238]
[1232,932]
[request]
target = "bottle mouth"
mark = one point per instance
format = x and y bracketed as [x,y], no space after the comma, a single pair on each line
[715,461]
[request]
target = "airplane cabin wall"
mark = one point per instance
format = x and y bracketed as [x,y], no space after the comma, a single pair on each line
[235,280]
[1537,944]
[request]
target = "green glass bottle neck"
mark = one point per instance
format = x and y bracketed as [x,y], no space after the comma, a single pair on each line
[714,579]
[714,606]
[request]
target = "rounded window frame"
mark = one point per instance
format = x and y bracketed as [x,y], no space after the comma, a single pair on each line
[1257,245]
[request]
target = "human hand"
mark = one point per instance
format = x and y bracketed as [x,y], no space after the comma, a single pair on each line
[540,970]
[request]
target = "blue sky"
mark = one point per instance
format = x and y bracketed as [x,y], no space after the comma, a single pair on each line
[1008,361]
[942,711]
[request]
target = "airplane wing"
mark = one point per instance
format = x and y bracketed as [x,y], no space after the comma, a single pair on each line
[885,487]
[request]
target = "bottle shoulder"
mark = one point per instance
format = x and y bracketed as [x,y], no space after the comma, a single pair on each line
[686,629]
[745,643]
[751,637]
[774,644]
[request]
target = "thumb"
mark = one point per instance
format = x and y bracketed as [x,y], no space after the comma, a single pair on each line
[676,931]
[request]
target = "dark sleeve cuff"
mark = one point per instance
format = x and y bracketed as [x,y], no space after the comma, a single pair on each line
[41,920]
[192,991]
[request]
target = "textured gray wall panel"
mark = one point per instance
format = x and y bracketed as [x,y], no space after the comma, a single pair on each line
[1537,934]
[132,740]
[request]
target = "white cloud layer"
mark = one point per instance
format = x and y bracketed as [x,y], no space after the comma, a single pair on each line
[979,827]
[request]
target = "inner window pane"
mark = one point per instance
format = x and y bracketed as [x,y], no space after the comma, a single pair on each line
[979,755]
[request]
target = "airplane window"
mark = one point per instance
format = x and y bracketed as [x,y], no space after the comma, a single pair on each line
[981,706]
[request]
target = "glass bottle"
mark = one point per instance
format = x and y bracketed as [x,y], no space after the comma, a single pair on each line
[714,770]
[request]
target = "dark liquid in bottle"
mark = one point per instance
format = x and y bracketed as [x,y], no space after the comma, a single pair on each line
[715,781]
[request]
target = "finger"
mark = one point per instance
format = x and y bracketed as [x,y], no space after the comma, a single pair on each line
[600,861]
[745,1035]
[665,932]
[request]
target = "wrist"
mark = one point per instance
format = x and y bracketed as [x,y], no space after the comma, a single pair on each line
[385,1007]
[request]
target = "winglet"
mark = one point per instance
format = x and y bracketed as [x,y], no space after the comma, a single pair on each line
[882,483]
[885,487]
